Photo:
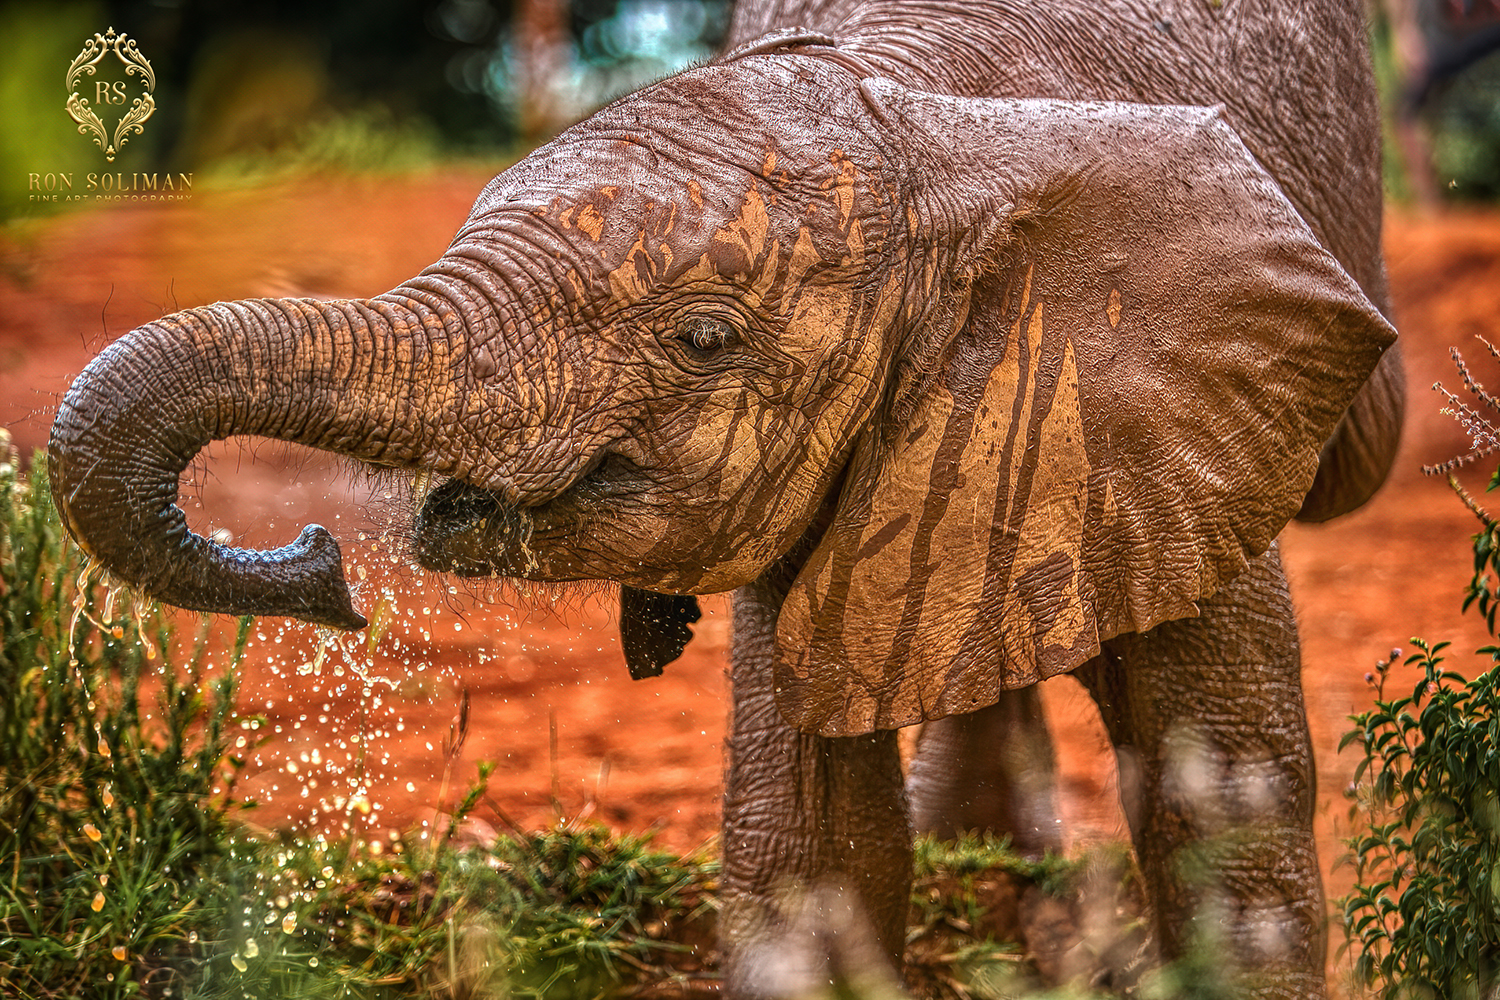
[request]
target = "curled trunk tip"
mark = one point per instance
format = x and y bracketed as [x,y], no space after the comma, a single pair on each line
[134,419]
[322,597]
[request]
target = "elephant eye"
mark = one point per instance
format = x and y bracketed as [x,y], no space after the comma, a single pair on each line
[706,334]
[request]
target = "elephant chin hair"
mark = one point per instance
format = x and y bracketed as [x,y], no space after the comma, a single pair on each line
[443,524]
[460,529]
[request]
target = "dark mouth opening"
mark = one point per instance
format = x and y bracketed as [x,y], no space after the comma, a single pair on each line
[472,531]
[457,524]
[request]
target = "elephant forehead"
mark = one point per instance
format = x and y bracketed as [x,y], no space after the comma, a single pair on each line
[603,198]
[731,226]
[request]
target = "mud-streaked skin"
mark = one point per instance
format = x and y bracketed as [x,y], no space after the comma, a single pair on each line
[965,341]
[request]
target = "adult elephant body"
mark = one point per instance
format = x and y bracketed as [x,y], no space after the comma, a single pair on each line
[969,343]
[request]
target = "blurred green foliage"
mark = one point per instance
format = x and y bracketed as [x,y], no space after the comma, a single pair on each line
[1442,123]
[1464,119]
[398,84]
[38,136]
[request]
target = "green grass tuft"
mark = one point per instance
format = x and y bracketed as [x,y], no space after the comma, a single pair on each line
[107,817]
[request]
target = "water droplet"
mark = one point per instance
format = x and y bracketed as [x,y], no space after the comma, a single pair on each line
[251,948]
[238,962]
[312,962]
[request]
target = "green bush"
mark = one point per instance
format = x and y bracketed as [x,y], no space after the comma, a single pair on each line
[1425,909]
[569,912]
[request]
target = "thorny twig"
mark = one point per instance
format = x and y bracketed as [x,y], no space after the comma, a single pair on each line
[1483,434]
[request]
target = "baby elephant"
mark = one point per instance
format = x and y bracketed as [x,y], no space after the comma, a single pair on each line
[968,343]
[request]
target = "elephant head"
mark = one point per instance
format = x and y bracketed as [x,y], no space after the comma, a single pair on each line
[990,380]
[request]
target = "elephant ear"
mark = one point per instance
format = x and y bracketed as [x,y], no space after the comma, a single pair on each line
[1137,349]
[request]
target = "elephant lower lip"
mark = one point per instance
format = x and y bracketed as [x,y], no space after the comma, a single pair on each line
[462,528]
[472,531]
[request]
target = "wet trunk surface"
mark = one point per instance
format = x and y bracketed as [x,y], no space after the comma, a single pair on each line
[341,376]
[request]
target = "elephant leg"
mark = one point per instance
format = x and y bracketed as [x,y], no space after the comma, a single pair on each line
[1217,775]
[801,812]
[993,769]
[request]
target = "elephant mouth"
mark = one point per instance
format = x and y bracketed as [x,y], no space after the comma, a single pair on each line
[460,528]
[472,531]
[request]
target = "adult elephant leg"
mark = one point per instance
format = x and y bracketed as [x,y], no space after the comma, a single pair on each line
[801,812]
[1217,776]
[993,769]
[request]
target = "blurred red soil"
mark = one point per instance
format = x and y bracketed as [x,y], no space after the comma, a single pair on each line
[550,701]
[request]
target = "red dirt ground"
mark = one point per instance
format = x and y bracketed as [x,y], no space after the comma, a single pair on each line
[551,703]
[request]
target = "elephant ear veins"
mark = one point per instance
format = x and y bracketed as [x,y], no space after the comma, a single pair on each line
[1148,349]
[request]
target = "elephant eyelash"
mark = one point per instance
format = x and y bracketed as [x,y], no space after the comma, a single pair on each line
[706,334]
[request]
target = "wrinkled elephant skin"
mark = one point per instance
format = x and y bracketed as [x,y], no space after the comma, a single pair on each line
[968,344]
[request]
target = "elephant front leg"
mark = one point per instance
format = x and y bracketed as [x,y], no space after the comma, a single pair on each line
[801,813]
[1217,776]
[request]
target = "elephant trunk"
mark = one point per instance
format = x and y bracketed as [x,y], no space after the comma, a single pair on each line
[346,376]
